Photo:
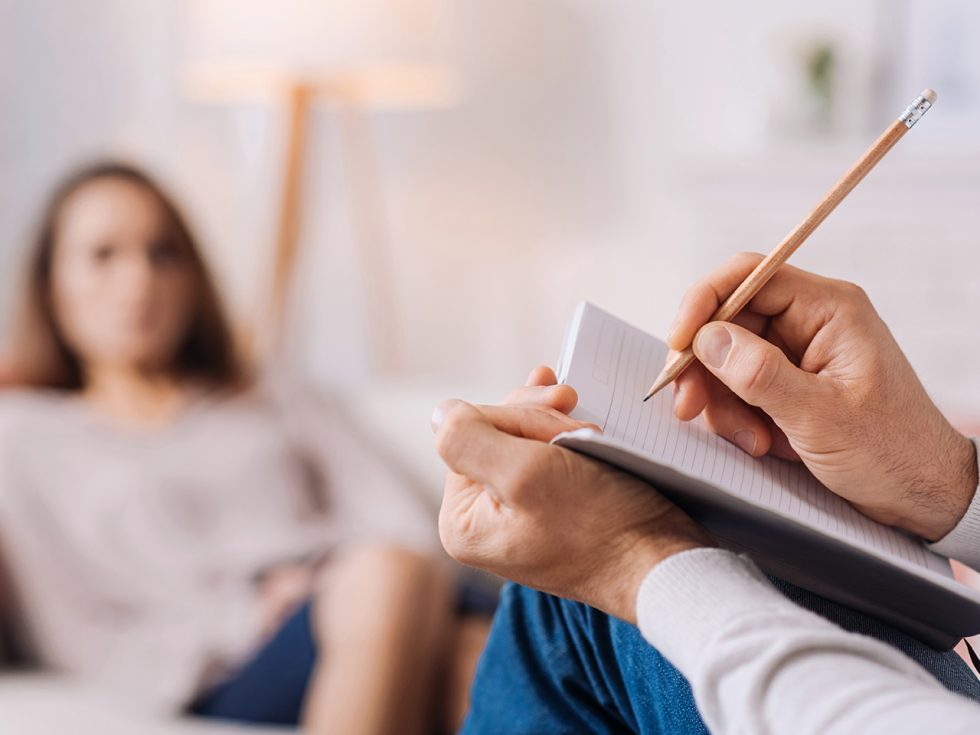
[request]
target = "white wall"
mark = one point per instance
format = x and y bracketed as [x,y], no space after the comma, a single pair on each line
[610,151]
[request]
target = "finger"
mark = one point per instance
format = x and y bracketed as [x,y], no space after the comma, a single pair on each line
[780,444]
[802,301]
[693,387]
[696,385]
[559,397]
[691,392]
[730,417]
[541,423]
[541,375]
[756,371]
[471,445]
[703,298]
[753,321]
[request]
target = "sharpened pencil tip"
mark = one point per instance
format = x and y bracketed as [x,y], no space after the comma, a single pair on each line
[662,381]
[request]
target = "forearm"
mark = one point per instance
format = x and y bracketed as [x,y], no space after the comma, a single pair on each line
[759,663]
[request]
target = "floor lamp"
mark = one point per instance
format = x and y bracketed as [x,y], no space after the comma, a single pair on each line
[252,51]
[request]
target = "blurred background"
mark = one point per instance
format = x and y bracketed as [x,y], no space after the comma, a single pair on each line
[407,198]
[537,153]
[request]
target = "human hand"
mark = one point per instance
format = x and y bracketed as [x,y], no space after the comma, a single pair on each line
[544,516]
[809,371]
[542,389]
[281,591]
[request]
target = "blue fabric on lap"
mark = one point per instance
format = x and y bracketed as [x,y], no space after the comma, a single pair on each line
[555,666]
[271,687]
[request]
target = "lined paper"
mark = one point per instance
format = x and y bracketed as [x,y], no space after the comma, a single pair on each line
[612,364]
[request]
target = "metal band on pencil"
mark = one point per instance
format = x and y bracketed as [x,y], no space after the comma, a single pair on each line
[914,112]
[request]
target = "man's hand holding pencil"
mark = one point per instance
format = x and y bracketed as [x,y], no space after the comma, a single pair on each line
[780,361]
[809,371]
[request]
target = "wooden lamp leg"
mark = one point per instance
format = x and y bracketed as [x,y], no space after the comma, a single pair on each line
[290,213]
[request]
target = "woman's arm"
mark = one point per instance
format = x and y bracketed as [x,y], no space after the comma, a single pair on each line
[758,663]
[369,499]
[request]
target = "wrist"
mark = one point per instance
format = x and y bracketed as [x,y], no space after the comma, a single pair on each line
[965,487]
[952,498]
[642,556]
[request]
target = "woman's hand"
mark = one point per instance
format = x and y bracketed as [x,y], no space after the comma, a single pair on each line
[544,516]
[809,371]
[281,591]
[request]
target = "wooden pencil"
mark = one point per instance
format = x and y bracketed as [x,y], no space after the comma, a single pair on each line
[771,263]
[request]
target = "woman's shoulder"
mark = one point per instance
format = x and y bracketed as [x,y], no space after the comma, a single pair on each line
[18,405]
[23,418]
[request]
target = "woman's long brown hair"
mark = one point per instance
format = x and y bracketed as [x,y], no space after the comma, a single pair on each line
[40,355]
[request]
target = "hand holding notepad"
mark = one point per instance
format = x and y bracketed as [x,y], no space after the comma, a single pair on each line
[776,510]
[810,358]
[544,517]
[808,381]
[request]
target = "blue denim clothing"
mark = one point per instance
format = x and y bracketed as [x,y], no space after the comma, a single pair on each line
[270,688]
[554,666]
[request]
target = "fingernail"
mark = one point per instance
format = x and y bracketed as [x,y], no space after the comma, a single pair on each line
[745,439]
[440,411]
[712,345]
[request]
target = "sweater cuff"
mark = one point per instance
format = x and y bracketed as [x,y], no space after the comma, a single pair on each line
[963,542]
[687,599]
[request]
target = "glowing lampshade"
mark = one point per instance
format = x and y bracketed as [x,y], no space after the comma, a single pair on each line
[385,52]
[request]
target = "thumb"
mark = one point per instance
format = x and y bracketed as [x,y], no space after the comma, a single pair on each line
[755,370]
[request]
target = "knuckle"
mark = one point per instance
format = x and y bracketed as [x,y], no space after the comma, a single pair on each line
[526,417]
[699,297]
[449,432]
[745,257]
[523,479]
[853,304]
[760,372]
[520,485]
[853,294]
[696,290]
[706,291]
[515,396]
[554,414]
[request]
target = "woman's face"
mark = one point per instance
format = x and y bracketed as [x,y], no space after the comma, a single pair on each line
[122,289]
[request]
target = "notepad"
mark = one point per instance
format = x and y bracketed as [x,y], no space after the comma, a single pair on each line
[771,509]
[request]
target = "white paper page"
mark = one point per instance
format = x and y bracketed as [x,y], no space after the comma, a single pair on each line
[613,364]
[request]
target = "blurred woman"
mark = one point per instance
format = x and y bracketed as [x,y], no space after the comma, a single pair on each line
[194,537]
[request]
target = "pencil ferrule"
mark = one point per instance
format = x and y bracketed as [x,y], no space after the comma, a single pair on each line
[914,112]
